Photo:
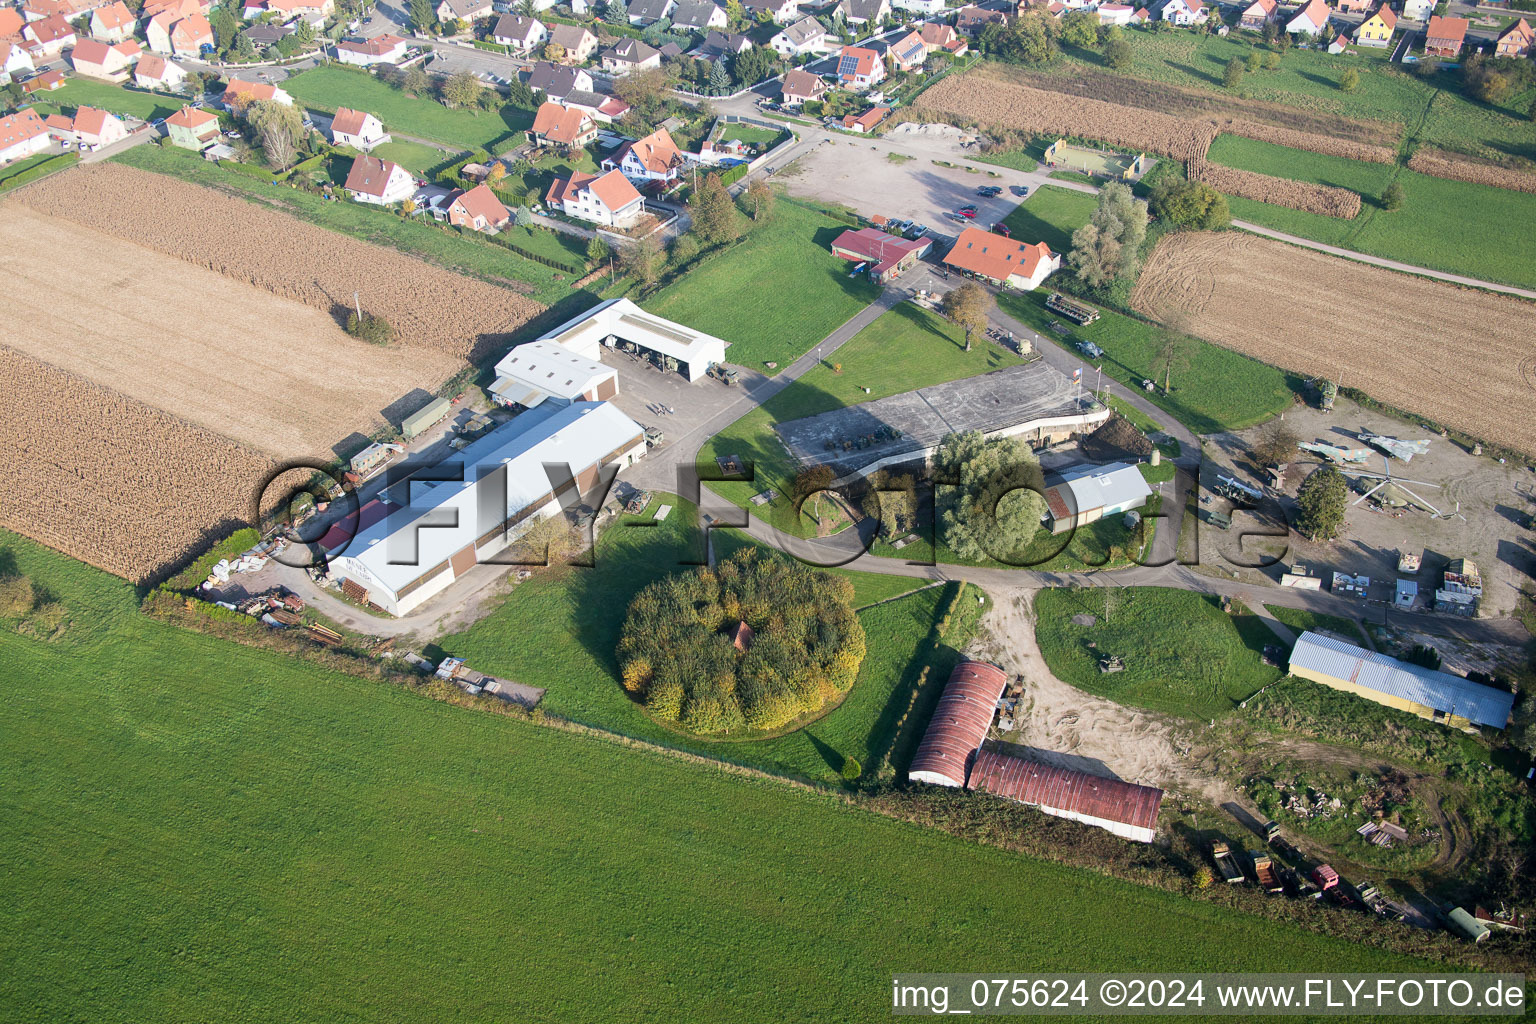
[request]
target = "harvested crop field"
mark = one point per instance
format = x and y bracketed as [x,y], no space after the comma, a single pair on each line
[112,481]
[1441,164]
[428,307]
[1327,200]
[1454,355]
[266,372]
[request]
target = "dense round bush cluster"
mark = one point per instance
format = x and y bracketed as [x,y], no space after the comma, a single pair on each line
[685,654]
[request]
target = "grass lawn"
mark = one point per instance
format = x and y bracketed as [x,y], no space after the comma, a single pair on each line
[413,156]
[751,134]
[1050,215]
[905,348]
[1019,160]
[115,99]
[1182,653]
[1301,620]
[1453,226]
[32,168]
[774,295]
[199,830]
[1214,389]
[328,88]
[562,627]
[465,254]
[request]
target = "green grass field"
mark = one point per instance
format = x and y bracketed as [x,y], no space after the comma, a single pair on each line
[1453,226]
[413,156]
[1050,215]
[115,99]
[1182,653]
[751,134]
[1214,389]
[1302,619]
[465,254]
[328,88]
[50,161]
[774,295]
[198,830]
[905,348]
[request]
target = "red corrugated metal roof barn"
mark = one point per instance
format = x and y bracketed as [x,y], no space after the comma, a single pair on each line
[1126,809]
[959,724]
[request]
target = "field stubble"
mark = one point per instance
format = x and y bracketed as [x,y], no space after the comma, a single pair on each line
[1391,335]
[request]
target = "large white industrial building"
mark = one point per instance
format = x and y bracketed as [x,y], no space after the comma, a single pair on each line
[419,549]
[619,322]
[541,371]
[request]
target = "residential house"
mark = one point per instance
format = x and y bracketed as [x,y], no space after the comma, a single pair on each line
[93,58]
[799,38]
[90,126]
[155,72]
[888,255]
[1141,17]
[11,22]
[1258,14]
[566,127]
[1377,30]
[1418,10]
[859,68]
[602,109]
[698,16]
[1185,12]
[313,11]
[718,45]
[609,199]
[1115,14]
[908,51]
[48,81]
[69,10]
[943,39]
[1517,40]
[577,42]
[519,32]
[648,12]
[781,12]
[14,61]
[864,12]
[239,93]
[184,37]
[1445,36]
[555,81]
[630,55]
[194,129]
[386,49]
[925,8]
[654,158]
[49,36]
[971,19]
[800,87]
[478,209]
[22,134]
[379,182]
[355,128]
[866,122]
[113,23]
[1354,6]
[177,9]
[264,36]
[1002,261]
[463,10]
[1311,20]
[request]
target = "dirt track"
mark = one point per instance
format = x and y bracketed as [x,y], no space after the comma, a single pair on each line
[267,372]
[1455,355]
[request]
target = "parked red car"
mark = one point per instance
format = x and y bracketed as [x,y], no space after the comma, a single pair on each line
[968,212]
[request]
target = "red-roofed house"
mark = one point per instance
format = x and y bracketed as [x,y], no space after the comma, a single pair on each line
[14,60]
[865,122]
[1354,6]
[889,254]
[859,68]
[602,199]
[943,39]
[1311,20]
[177,9]
[386,49]
[653,158]
[379,182]
[238,93]
[355,128]
[113,23]
[1184,12]
[557,125]
[1377,30]
[109,63]
[1115,14]
[478,209]
[908,51]
[1001,260]
[191,128]
[1258,14]
[156,72]
[22,134]
[11,23]
[184,36]
[1516,41]
[90,126]
[48,36]
[1445,36]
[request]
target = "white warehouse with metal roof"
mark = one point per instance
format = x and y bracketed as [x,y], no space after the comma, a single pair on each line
[1089,493]
[540,371]
[419,549]
[619,323]
[1428,693]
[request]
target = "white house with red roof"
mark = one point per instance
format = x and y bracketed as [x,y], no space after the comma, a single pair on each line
[109,62]
[608,199]
[1258,14]
[22,134]
[48,37]
[651,159]
[908,51]
[113,23]
[156,72]
[558,125]
[89,125]
[860,68]
[1001,260]
[1311,20]
[477,209]
[358,129]
[238,93]
[14,61]
[380,182]
[1115,14]
[1184,12]
[386,49]
[943,39]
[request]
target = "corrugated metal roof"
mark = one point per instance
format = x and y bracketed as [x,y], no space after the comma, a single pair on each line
[1065,790]
[959,723]
[551,368]
[1442,691]
[1087,487]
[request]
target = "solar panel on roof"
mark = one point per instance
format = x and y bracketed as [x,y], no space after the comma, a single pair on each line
[848,65]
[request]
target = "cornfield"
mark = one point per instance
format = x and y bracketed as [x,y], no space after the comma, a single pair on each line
[428,307]
[1298,195]
[1441,164]
[112,481]
[1312,142]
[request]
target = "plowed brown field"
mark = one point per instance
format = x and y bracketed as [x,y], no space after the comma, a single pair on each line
[1454,355]
[266,372]
[429,307]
